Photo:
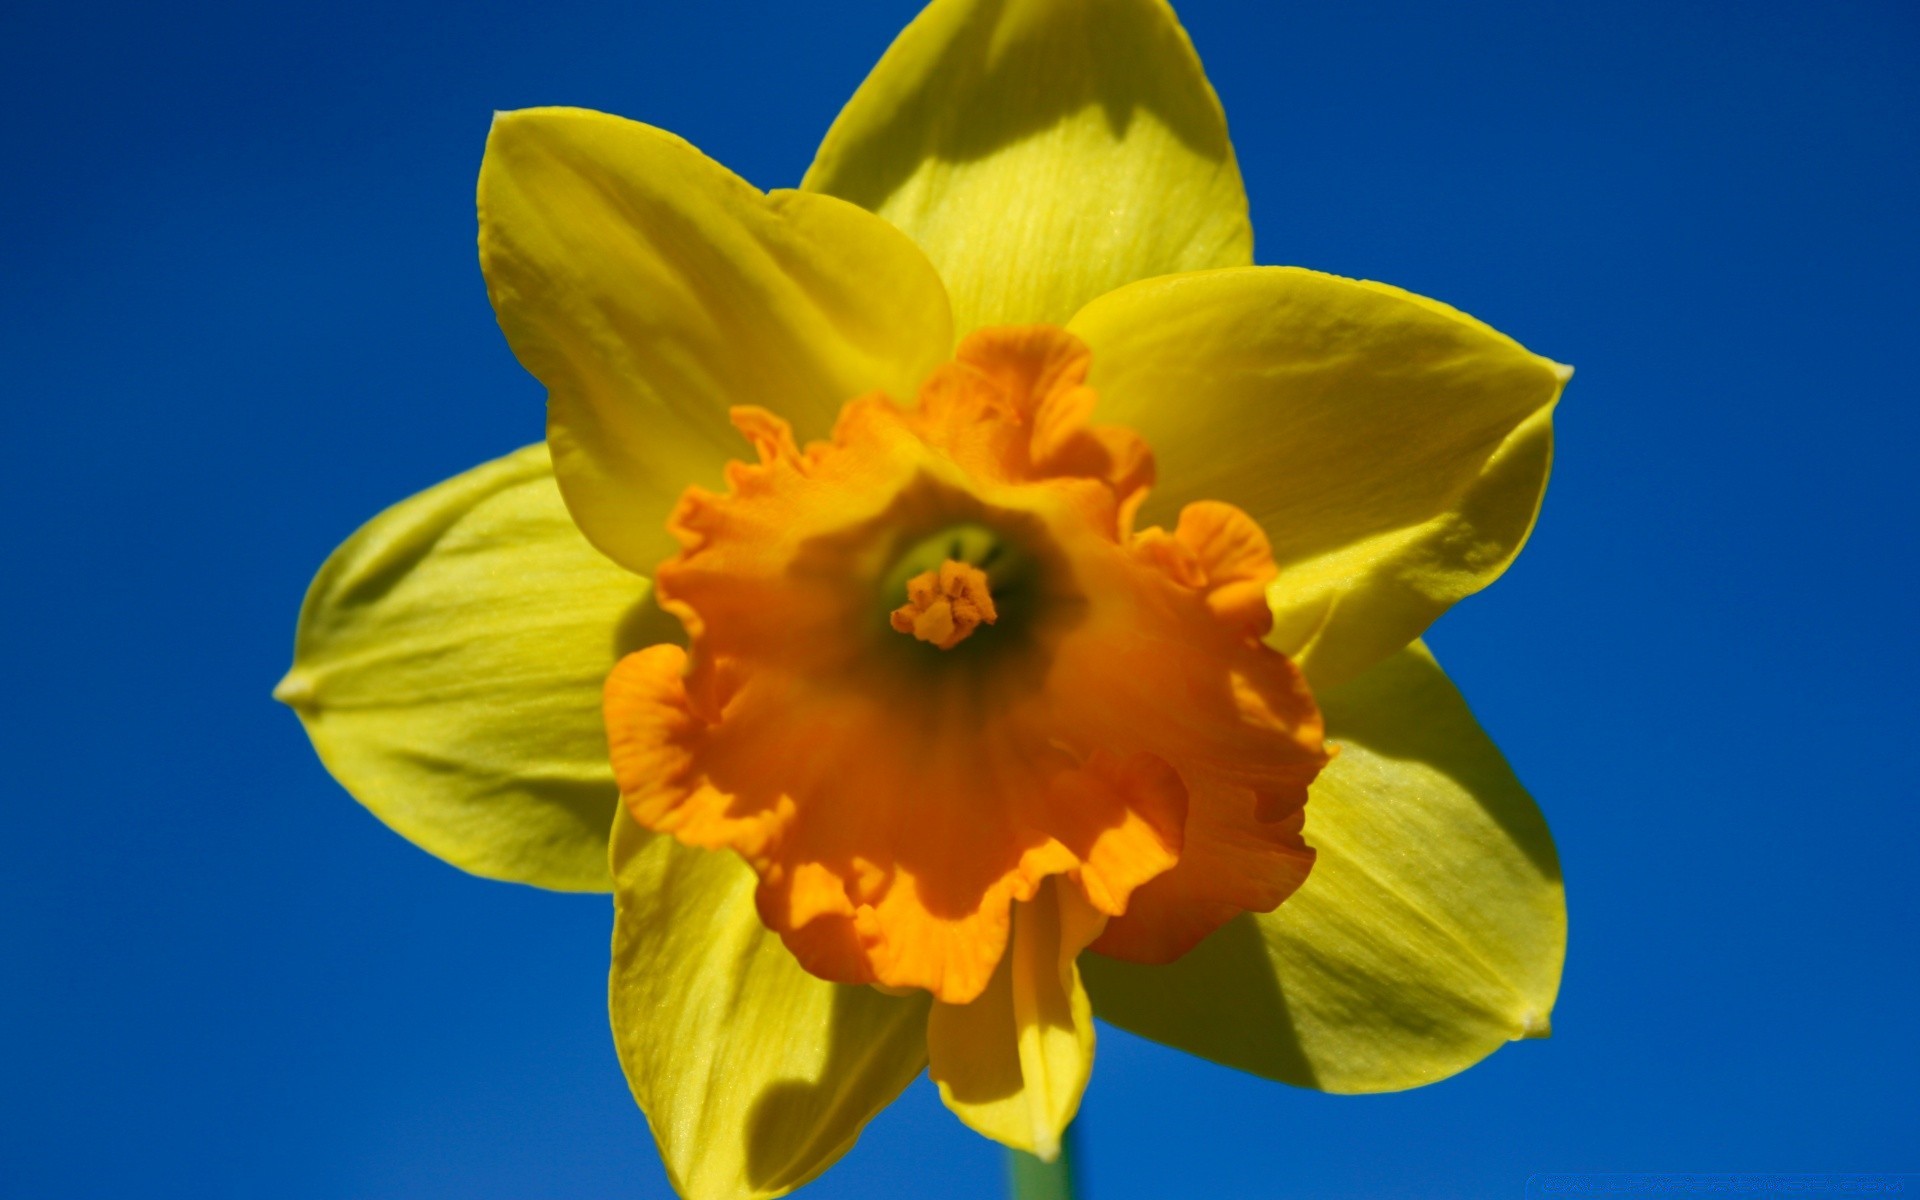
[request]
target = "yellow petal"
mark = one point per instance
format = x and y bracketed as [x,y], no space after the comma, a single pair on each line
[1013,1063]
[754,1075]
[1042,152]
[650,289]
[1394,450]
[448,668]
[1430,932]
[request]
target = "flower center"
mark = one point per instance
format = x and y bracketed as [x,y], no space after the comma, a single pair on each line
[949,579]
[945,605]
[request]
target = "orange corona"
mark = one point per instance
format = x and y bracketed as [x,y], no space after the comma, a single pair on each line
[1076,699]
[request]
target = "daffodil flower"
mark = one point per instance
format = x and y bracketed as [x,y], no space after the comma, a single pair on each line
[975,599]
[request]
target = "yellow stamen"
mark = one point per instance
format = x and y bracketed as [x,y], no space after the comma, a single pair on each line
[946,605]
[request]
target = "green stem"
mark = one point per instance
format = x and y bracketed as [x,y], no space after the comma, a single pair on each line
[1030,1179]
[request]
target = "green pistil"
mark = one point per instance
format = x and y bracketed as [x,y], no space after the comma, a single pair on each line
[1004,564]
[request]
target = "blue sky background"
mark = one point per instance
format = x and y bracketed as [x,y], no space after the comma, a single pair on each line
[240,311]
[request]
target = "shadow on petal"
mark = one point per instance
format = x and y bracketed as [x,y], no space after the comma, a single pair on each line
[1049,57]
[796,1127]
[1223,996]
[646,624]
[1371,711]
